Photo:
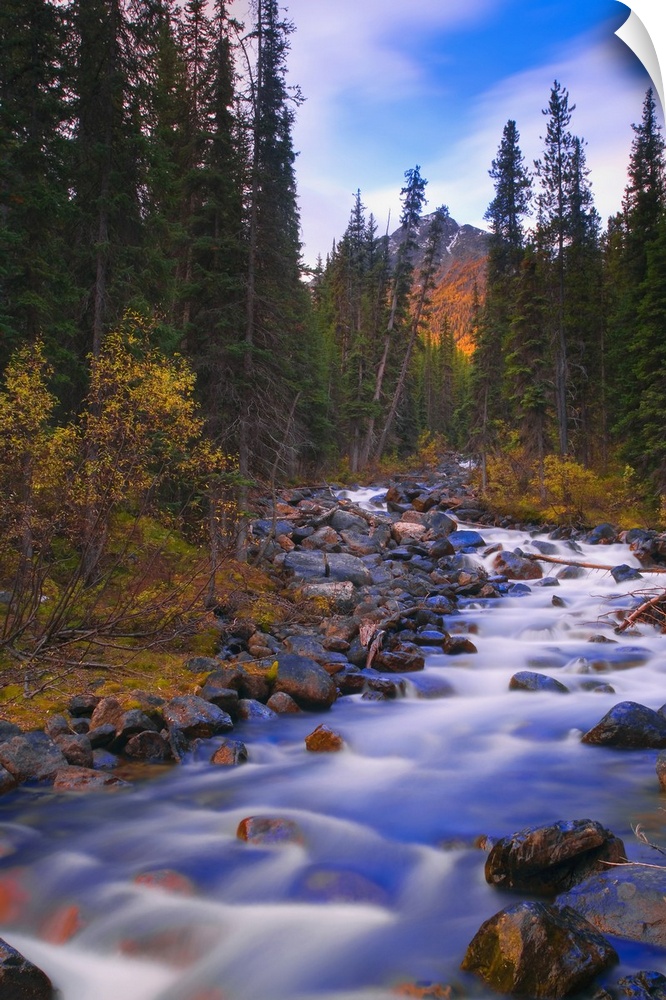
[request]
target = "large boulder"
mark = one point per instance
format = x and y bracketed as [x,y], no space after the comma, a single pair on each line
[546,860]
[533,949]
[32,757]
[306,681]
[20,979]
[629,725]
[626,901]
[336,566]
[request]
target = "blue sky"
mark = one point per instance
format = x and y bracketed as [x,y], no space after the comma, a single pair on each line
[389,85]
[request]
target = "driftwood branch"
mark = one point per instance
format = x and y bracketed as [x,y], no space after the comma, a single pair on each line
[639,611]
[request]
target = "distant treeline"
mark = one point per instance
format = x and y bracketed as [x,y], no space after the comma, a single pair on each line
[147,165]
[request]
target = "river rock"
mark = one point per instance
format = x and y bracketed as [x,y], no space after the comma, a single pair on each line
[85,779]
[402,657]
[528,680]
[629,725]
[439,524]
[20,979]
[623,573]
[57,725]
[282,703]
[32,757]
[336,566]
[149,746]
[269,830]
[456,645]
[83,705]
[536,950]
[345,520]
[249,709]
[546,860]
[195,717]
[408,531]
[339,595]
[602,534]
[514,566]
[76,748]
[305,681]
[626,901]
[644,986]
[339,885]
[7,781]
[108,712]
[465,538]
[323,739]
[230,753]
[130,724]
[225,698]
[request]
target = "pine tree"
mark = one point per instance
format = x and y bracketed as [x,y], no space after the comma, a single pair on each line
[528,363]
[647,444]
[35,288]
[109,162]
[505,214]
[555,172]
[637,227]
[277,417]
[413,199]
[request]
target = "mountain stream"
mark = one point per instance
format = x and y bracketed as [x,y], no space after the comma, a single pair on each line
[386,886]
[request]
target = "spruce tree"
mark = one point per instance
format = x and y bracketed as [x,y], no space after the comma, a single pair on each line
[36,292]
[505,215]
[637,228]
[553,200]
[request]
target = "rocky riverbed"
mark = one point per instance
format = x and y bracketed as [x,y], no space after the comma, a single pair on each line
[396,692]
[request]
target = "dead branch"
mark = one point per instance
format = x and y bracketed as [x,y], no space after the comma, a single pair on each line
[638,613]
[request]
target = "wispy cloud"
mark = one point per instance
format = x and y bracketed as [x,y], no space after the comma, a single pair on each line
[382,95]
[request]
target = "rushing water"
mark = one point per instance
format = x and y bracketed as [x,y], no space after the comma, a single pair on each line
[387,885]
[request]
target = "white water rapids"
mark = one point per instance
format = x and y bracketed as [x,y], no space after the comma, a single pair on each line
[393,817]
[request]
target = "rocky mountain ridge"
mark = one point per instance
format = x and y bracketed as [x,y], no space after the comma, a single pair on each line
[461,274]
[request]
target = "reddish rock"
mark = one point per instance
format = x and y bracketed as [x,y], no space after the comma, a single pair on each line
[282,703]
[166,879]
[61,925]
[108,712]
[324,740]
[230,753]
[456,645]
[402,658]
[84,779]
[516,567]
[269,830]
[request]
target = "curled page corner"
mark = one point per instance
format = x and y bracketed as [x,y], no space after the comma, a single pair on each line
[644,33]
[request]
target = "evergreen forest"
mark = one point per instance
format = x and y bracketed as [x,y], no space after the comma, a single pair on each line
[163,345]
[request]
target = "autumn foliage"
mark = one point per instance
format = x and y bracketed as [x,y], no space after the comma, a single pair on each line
[88,507]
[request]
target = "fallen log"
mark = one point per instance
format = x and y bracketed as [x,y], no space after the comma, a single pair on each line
[586,565]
